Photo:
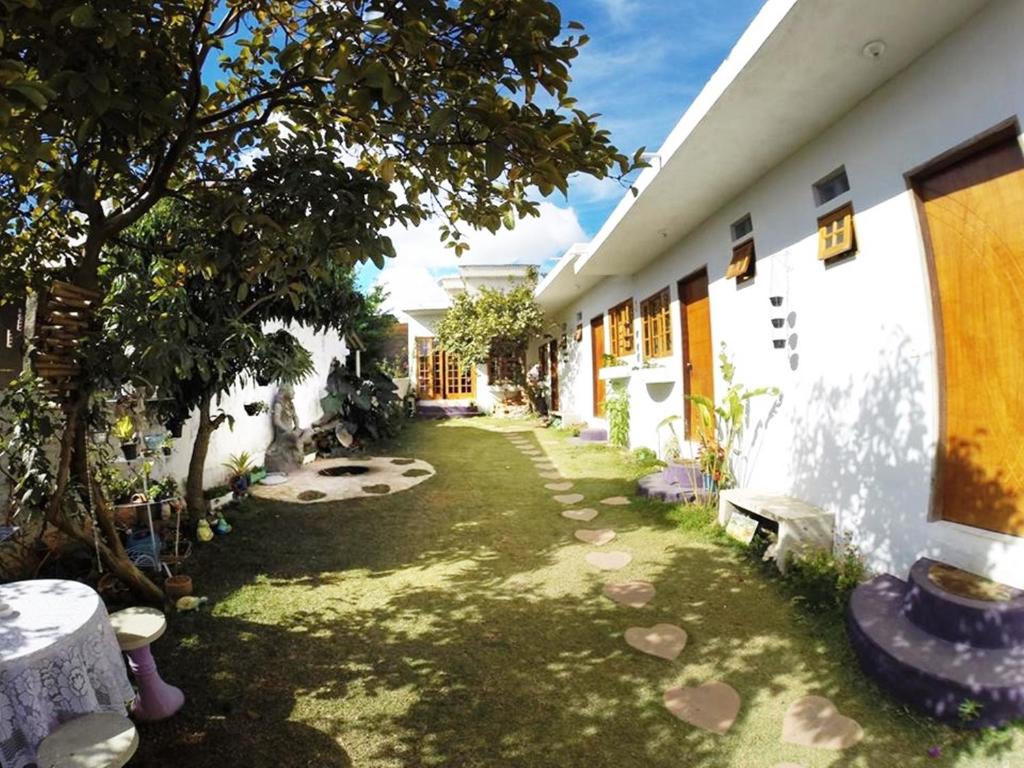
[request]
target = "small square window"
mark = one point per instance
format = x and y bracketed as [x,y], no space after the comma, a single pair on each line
[832,186]
[741,228]
[744,261]
[836,236]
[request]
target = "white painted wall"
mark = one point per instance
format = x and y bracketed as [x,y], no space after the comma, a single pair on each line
[254,433]
[857,426]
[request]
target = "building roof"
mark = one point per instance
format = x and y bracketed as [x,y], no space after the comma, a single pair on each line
[799,67]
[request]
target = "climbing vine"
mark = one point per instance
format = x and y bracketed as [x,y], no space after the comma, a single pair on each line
[617,412]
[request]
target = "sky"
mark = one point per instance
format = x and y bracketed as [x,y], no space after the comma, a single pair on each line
[645,62]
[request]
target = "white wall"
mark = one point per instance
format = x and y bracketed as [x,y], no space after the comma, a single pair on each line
[857,426]
[254,433]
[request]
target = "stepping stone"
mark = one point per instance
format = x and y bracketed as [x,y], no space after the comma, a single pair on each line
[584,515]
[550,475]
[530,451]
[635,594]
[788,765]
[539,459]
[616,501]
[569,498]
[558,486]
[711,706]
[814,721]
[596,536]
[609,561]
[545,467]
[666,641]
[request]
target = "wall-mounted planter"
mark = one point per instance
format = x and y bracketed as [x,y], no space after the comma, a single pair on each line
[615,372]
[778,322]
[655,375]
[779,343]
[775,300]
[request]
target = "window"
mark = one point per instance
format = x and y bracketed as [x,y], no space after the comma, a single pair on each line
[621,316]
[743,263]
[504,368]
[832,186]
[657,326]
[835,233]
[742,228]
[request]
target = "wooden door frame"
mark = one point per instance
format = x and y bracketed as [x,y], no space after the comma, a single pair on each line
[442,388]
[1002,131]
[596,364]
[684,335]
[553,372]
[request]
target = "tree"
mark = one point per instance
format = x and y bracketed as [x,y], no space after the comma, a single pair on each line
[368,113]
[492,324]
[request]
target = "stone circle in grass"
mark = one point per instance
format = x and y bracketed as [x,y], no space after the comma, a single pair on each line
[378,488]
[558,486]
[311,495]
[615,501]
[609,561]
[814,721]
[711,706]
[569,498]
[403,462]
[584,515]
[635,594]
[326,480]
[596,536]
[666,641]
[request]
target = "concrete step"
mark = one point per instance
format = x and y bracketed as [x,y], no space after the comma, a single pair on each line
[446,411]
[928,672]
[593,435]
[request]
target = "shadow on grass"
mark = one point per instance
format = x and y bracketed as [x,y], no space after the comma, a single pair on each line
[454,625]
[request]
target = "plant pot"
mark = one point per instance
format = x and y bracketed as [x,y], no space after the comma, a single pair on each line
[126,515]
[154,441]
[252,408]
[130,451]
[166,450]
[775,300]
[174,426]
[779,343]
[778,322]
[178,586]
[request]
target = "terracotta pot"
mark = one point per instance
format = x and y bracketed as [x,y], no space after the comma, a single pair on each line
[178,586]
[126,515]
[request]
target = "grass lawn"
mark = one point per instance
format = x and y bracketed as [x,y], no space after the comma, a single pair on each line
[457,624]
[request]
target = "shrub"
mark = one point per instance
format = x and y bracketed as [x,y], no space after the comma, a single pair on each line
[824,580]
[617,411]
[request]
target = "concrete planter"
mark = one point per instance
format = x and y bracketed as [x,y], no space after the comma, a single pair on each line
[615,372]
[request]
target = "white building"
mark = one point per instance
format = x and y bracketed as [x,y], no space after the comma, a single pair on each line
[860,165]
[437,376]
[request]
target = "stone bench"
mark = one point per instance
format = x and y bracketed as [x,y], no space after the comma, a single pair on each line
[802,526]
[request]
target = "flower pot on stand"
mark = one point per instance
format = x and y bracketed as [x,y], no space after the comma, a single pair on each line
[130,451]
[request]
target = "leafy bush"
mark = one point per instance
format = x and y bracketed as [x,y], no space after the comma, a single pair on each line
[367,407]
[617,411]
[824,580]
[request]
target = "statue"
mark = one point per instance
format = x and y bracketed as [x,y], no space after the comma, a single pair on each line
[289,446]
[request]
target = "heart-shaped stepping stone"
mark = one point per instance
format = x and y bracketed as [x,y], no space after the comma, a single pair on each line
[585,515]
[569,498]
[530,451]
[635,594]
[545,467]
[550,475]
[558,486]
[616,501]
[598,536]
[814,721]
[711,706]
[609,561]
[666,641]
[540,459]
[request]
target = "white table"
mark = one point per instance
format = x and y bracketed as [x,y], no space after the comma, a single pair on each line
[58,660]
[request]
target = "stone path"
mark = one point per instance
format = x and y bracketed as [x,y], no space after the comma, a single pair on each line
[713,706]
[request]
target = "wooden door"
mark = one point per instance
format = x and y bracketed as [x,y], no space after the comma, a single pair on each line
[429,369]
[698,356]
[597,352]
[553,365]
[459,382]
[972,212]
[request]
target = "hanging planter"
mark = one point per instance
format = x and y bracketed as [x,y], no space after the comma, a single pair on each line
[779,343]
[252,409]
[778,322]
[174,426]
[775,300]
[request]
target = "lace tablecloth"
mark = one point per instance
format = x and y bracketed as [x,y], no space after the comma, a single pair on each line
[58,659]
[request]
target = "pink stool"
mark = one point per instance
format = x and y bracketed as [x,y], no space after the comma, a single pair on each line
[135,629]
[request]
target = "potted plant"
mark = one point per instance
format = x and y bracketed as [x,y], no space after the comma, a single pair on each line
[239,466]
[124,432]
[167,446]
[255,408]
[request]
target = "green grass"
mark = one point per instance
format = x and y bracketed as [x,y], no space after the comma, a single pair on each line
[457,624]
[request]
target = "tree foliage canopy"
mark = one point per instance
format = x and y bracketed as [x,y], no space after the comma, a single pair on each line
[491,323]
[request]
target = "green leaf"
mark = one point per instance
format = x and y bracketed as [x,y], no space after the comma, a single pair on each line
[494,161]
[83,17]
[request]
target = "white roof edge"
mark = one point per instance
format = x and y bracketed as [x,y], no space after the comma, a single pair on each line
[754,36]
[572,253]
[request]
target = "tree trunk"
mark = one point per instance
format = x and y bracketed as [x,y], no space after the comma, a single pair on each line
[197,505]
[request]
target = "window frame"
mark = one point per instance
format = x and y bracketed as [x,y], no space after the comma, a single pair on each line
[817,188]
[656,324]
[845,214]
[744,251]
[498,368]
[622,328]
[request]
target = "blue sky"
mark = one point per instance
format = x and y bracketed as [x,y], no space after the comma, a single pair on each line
[644,64]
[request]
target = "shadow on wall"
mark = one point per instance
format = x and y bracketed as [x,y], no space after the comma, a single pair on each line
[864,450]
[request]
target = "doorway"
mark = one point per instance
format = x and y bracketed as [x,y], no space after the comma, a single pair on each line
[970,205]
[439,375]
[553,364]
[698,356]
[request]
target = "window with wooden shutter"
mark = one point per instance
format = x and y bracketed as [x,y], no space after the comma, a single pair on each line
[621,316]
[744,261]
[836,236]
[504,368]
[656,322]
